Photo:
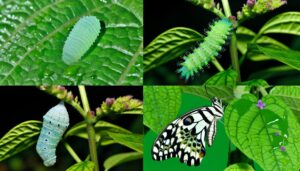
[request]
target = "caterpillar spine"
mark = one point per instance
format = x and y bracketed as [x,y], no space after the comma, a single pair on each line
[55,122]
[220,30]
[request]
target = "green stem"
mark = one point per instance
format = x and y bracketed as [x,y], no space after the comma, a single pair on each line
[217,65]
[263,91]
[90,128]
[233,43]
[72,152]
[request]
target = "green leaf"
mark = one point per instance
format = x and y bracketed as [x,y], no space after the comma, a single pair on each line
[260,134]
[244,36]
[102,129]
[19,138]
[223,92]
[118,159]
[289,57]
[32,35]
[239,167]
[161,106]
[224,78]
[257,83]
[82,166]
[133,141]
[290,95]
[169,45]
[286,23]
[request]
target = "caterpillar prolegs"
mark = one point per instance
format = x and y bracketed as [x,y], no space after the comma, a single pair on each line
[56,121]
[220,30]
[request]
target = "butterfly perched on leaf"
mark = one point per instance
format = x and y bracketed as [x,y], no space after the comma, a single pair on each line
[186,136]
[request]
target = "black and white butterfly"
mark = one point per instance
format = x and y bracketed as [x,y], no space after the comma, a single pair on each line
[185,137]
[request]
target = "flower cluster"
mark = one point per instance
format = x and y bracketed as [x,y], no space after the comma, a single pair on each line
[60,92]
[119,105]
[257,7]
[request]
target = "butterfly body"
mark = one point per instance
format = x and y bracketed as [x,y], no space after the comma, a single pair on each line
[185,137]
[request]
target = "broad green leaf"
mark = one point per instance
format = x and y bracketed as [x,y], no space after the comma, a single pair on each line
[82,166]
[161,106]
[269,136]
[19,138]
[258,82]
[32,36]
[224,78]
[244,36]
[287,23]
[239,167]
[290,95]
[121,158]
[289,57]
[102,128]
[169,45]
[222,92]
[133,141]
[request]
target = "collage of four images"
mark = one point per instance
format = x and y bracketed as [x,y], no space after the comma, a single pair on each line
[133,85]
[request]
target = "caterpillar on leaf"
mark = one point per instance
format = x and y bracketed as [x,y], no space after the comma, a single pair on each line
[219,32]
[56,121]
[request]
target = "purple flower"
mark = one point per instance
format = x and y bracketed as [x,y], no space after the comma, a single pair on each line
[110,101]
[251,3]
[260,104]
[282,148]
[276,134]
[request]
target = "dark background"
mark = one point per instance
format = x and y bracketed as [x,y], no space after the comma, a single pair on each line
[160,16]
[20,104]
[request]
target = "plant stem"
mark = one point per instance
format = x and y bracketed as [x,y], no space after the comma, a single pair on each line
[263,91]
[233,43]
[90,128]
[217,65]
[72,152]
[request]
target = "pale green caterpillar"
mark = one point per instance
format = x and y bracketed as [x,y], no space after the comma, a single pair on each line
[56,121]
[220,30]
[80,39]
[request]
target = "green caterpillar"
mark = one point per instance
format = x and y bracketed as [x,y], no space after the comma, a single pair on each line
[220,30]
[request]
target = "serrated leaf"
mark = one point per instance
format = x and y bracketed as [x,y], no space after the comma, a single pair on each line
[290,95]
[289,57]
[169,45]
[260,134]
[161,106]
[224,78]
[239,167]
[32,35]
[118,159]
[19,138]
[102,128]
[82,166]
[222,92]
[287,23]
[133,141]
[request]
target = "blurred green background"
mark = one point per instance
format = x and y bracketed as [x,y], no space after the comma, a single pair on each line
[216,157]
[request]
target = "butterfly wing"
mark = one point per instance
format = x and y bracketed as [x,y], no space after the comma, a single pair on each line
[211,132]
[183,138]
[164,146]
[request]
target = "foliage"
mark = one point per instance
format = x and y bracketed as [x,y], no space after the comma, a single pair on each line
[32,36]
[245,46]
[98,132]
[265,130]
